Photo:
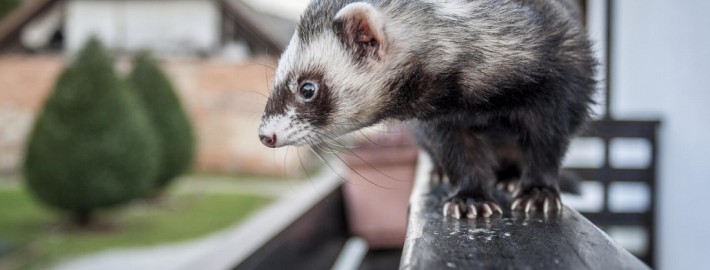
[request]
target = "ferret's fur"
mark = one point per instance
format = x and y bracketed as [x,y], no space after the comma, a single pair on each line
[492,86]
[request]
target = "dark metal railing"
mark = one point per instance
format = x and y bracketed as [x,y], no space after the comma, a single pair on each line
[608,131]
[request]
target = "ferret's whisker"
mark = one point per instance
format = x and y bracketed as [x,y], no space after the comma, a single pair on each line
[252,62]
[327,164]
[260,94]
[367,138]
[308,175]
[323,148]
[353,169]
[358,173]
[335,142]
[284,164]
[350,152]
[266,79]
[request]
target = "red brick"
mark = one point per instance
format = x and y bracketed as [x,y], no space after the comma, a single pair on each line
[224,100]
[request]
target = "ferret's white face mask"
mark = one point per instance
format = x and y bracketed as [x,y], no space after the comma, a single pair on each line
[330,84]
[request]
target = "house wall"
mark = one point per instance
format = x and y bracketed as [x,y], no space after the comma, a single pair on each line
[661,68]
[290,9]
[24,84]
[166,26]
[224,101]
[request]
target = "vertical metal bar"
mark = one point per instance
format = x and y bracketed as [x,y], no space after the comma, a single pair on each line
[606,175]
[609,55]
[652,219]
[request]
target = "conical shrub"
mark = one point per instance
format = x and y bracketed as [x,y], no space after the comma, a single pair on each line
[157,95]
[92,146]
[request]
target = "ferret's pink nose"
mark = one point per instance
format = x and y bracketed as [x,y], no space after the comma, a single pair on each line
[269,141]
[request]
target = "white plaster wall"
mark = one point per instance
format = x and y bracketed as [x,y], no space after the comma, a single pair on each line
[287,9]
[166,26]
[662,67]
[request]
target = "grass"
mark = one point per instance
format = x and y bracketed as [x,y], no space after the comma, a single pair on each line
[6,6]
[43,237]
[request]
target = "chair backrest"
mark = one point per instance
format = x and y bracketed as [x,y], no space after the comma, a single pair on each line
[621,180]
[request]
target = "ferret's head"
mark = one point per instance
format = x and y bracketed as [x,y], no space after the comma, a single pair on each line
[332,79]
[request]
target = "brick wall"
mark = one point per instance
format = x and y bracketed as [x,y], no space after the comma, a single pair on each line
[224,101]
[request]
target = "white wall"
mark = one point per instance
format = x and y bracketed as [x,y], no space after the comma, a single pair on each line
[287,9]
[168,26]
[662,68]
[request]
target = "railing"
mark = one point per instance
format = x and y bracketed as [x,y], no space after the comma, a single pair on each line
[305,229]
[513,241]
[310,229]
[609,174]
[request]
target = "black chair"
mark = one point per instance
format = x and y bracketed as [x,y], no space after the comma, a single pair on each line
[607,175]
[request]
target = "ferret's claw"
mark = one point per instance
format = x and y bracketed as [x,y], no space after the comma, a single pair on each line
[472,213]
[487,211]
[544,199]
[529,205]
[497,208]
[457,211]
[452,209]
[470,208]
[515,204]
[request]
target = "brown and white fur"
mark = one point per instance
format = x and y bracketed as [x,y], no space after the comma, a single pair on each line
[492,87]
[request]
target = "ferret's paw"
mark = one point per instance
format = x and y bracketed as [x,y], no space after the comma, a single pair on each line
[458,207]
[545,199]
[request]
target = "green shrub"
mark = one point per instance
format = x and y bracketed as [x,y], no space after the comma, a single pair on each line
[6,6]
[92,146]
[177,144]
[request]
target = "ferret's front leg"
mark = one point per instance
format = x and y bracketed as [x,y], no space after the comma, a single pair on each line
[467,160]
[539,183]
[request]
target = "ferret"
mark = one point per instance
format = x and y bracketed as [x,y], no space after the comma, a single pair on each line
[494,89]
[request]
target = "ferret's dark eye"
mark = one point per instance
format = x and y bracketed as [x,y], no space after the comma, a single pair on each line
[308,91]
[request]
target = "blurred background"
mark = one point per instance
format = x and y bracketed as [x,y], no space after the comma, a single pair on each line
[645,164]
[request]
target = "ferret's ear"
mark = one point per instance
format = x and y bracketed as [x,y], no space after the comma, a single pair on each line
[361,27]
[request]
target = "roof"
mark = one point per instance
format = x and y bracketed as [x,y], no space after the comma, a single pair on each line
[11,25]
[259,29]
[290,10]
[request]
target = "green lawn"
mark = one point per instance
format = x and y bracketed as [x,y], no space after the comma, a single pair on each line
[6,6]
[43,237]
